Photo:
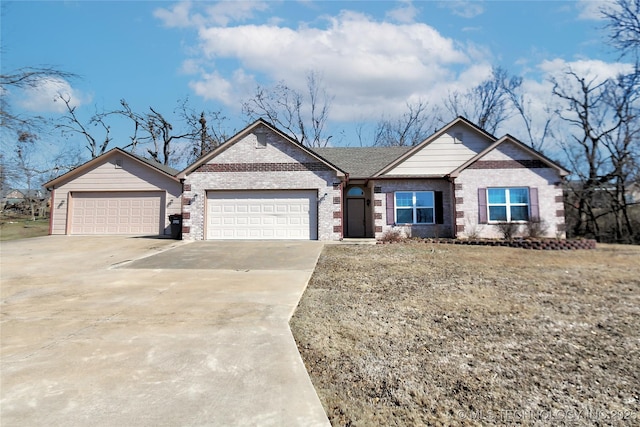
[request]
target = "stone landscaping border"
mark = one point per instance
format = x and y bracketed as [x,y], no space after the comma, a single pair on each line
[539,244]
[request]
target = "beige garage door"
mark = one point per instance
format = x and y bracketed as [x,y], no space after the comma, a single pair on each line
[289,214]
[117,213]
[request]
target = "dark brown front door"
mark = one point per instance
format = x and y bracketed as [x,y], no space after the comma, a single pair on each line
[355,218]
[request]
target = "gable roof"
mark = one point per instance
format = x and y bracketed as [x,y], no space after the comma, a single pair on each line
[244,132]
[430,139]
[163,169]
[361,162]
[508,138]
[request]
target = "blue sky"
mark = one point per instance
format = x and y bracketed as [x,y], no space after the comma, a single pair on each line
[373,56]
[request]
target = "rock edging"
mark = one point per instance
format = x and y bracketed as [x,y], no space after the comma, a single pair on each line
[539,244]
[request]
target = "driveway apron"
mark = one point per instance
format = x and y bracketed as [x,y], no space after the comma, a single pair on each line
[107,331]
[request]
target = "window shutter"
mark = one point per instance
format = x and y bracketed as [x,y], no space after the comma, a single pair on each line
[390,209]
[533,203]
[482,205]
[439,208]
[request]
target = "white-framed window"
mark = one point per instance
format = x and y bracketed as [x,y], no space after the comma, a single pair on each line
[415,207]
[509,204]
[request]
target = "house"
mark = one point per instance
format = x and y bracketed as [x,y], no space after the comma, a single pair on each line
[260,184]
[116,193]
[14,196]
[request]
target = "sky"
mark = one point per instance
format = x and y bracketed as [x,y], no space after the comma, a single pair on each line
[373,57]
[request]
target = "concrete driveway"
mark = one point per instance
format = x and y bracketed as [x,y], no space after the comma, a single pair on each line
[114,331]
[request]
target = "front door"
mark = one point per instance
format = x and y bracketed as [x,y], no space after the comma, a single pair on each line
[355,218]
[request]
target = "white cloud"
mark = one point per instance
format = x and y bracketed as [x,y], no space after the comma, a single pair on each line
[44,97]
[370,68]
[592,9]
[178,16]
[392,63]
[222,13]
[404,13]
[225,12]
[464,9]
[213,86]
[588,68]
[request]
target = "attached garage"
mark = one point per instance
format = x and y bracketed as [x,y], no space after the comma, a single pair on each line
[282,214]
[117,213]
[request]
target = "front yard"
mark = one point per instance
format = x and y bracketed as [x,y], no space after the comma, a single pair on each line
[15,226]
[427,334]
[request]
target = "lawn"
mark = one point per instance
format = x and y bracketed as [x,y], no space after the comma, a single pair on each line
[427,334]
[19,227]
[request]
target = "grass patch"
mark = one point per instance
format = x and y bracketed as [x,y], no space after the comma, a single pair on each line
[14,227]
[427,334]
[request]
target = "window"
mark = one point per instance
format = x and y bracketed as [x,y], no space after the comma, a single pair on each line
[415,207]
[508,204]
[355,192]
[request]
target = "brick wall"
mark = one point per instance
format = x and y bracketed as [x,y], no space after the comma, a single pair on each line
[546,180]
[421,230]
[247,165]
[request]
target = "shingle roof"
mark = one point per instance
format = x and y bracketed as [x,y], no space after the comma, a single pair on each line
[164,168]
[361,162]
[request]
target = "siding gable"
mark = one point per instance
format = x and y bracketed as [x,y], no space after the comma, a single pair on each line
[112,172]
[444,154]
[126,174]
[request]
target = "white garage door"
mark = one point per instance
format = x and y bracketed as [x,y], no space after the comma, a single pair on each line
[117,213]
[289,214]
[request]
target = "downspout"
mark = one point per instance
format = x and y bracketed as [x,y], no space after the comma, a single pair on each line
[454,208]
[343,184]
[51,205]
[181,206]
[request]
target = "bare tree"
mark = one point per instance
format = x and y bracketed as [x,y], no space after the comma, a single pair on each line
[623,24]
[623,147]
[70,123]
[303,117]
[25,78]
[410,128]
[487,104]
[536,135]
[154,129]
[207,130]
[603,146]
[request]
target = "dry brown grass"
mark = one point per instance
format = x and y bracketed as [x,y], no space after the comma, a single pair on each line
[422,334]
[14,226]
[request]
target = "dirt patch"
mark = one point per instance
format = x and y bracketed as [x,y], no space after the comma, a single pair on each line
[412,334]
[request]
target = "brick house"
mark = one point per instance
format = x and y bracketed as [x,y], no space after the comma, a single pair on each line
[459,182]
[261,184]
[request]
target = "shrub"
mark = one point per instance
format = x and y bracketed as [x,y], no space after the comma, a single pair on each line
[508,229]
[472,231]
[392,236]
[536,227]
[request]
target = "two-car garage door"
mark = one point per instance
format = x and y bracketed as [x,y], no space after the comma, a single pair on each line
[117,213]
[282,214]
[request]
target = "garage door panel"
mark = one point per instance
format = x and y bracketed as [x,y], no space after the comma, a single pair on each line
[289,214]
[117,213]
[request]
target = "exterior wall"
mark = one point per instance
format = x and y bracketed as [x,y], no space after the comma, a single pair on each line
[250,164]
[498,169]
[382,187]
[444,154]
[104,176]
